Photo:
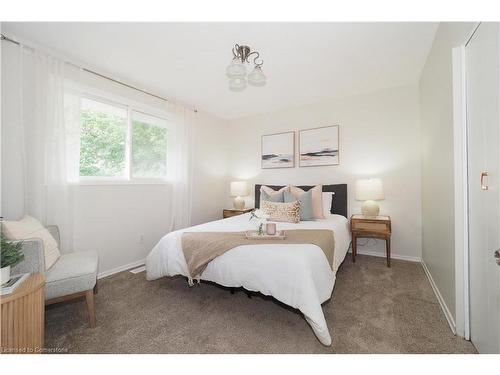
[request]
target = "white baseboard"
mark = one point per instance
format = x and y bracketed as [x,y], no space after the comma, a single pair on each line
[393,256]
[446,311]
[125,267]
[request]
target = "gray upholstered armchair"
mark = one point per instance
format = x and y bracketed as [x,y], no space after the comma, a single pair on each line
[74,274]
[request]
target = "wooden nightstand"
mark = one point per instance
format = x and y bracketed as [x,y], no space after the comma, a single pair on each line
[23,317]
[229,212]
[371,227]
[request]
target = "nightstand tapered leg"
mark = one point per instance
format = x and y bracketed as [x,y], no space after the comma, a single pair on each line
[388,250]
[354,249]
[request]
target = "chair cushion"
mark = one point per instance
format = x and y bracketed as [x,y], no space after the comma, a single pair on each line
[72,273]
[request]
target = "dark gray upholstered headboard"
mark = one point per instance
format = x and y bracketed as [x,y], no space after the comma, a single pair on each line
[339,201]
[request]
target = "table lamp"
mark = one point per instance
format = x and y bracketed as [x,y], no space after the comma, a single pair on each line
[239,189]
[369,190]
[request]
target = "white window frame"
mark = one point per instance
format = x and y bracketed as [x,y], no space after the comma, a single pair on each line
[130,106]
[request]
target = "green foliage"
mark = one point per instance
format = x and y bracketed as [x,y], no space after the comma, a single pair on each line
[149,150]
[102,144]
[10,252]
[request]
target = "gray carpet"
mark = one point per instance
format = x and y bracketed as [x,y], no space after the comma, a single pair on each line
[374,309]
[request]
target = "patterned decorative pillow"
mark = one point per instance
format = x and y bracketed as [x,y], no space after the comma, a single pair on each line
[287,212]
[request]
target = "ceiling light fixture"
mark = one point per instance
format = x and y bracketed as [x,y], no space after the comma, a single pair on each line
[236,71]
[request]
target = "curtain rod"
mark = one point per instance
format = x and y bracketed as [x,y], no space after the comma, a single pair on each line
[3,37]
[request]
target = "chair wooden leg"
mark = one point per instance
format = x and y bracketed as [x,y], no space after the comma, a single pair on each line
[89,298]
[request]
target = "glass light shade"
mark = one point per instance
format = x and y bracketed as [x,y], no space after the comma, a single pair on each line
[236,69]
[369,189]
[257,78]
[238,189]
[237,84]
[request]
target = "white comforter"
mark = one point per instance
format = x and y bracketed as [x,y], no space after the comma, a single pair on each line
[297,275]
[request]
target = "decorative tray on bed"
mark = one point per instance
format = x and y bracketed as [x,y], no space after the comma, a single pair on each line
[254,235]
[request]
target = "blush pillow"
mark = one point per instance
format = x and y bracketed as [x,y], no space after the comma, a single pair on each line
[305,200]
[317,199]
[287,212]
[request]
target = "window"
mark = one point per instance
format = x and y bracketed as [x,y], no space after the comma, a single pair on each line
[102,140]
[119,143]
[149,146]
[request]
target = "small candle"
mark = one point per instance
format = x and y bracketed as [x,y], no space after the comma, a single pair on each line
[271,229]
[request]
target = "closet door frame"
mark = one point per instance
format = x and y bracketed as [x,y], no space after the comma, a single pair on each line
[461,181]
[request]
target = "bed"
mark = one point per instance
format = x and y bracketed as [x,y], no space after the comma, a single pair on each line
[297,275]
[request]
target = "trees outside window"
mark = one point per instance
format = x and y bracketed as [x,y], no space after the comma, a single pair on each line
[117,142]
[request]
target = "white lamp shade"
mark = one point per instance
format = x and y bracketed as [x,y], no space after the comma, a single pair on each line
[237,84]
[239,189]
[256,77]
[236,69]
[369,189]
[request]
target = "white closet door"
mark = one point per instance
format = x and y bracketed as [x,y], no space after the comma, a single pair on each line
[483,123]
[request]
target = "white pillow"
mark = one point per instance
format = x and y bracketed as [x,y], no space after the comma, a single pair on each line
[29,227]
[327,203]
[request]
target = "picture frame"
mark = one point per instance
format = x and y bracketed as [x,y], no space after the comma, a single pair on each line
[319,146]
[278,150]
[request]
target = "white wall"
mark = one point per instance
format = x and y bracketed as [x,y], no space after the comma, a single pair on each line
[111,219]
[379,136]
[436,97]
[210,168]
[121,222]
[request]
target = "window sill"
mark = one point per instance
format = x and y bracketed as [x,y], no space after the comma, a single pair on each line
[119,182]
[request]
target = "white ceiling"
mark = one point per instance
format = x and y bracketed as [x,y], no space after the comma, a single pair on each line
[304,62]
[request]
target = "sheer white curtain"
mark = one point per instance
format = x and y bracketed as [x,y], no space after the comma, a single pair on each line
[180,164]
[50,116]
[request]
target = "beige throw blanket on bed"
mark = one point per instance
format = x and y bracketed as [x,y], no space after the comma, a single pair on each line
[200,248]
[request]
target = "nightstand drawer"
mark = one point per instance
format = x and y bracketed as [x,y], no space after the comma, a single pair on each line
[226,214]
[367,224]
[363,225]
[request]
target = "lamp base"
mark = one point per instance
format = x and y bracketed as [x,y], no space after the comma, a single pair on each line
[239,203]
[370,208]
